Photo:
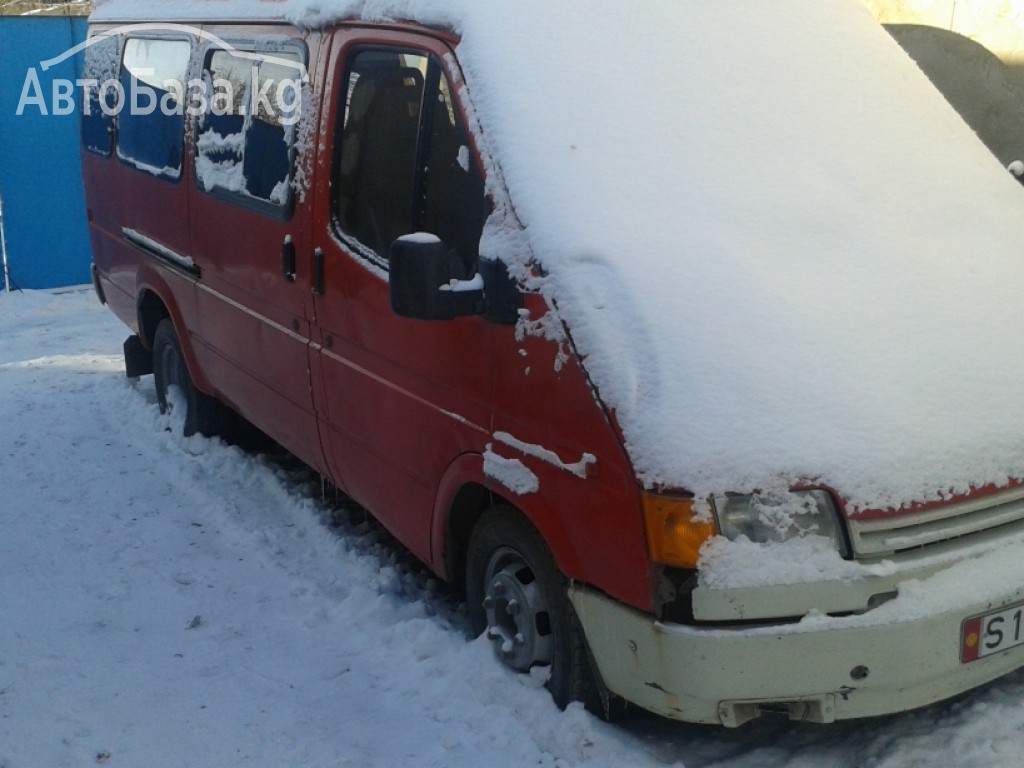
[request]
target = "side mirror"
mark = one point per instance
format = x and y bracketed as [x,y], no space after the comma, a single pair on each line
[422,286]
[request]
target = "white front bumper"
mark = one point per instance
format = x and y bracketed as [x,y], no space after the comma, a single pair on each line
[818,671]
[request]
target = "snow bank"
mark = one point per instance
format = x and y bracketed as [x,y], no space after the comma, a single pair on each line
[172,602]
[780,252]
[312,648]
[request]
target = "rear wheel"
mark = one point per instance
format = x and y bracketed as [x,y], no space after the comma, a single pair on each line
[174,386]
[518,597]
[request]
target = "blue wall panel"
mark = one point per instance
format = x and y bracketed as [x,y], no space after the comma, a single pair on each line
[40,166]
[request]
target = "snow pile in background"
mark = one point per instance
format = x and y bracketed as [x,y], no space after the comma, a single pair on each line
[780,251]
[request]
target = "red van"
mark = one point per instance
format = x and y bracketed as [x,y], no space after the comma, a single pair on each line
[618,328]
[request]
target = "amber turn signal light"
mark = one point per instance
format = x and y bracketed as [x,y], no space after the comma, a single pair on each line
[675,532]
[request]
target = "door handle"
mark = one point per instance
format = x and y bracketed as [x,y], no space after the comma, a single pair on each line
[318,272]
[288,259]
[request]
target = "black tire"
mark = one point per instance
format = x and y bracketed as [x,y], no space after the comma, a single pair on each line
[203,414]
[518,597]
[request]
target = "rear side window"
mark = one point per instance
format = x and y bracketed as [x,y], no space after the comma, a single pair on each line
[405,163]
[245,136]
[151,123]
[99,101]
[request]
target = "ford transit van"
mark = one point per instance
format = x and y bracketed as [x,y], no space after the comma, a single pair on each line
[684,336]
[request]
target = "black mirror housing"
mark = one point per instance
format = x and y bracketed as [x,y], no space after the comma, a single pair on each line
[421,278]
[426,284]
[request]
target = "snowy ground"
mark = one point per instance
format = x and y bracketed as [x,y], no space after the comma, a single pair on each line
[175,602]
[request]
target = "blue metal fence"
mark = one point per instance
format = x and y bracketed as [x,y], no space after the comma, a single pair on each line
[40,172]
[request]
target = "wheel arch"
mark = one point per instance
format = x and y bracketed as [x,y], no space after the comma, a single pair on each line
[154,303]
[463,496]
[151,309]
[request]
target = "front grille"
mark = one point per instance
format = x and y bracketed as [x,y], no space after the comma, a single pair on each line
[888,535]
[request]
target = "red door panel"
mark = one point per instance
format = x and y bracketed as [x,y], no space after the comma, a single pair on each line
[399,399]
[255,321]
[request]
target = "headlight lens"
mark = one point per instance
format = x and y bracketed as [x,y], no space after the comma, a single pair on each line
[768,517]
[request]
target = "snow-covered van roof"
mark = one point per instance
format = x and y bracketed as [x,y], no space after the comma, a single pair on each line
[304,13]
[779,251]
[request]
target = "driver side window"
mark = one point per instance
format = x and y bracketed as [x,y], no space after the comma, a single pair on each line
[404,163]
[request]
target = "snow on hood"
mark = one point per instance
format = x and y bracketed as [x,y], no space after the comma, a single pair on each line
[780,252]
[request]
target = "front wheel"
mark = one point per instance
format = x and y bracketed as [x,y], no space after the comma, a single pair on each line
[203,413]
[518,597]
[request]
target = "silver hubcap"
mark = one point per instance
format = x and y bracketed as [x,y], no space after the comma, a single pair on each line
[518,621]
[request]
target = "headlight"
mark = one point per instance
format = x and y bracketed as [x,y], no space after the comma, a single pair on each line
[770,517]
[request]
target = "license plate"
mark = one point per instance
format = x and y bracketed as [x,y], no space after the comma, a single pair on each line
[991,633]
